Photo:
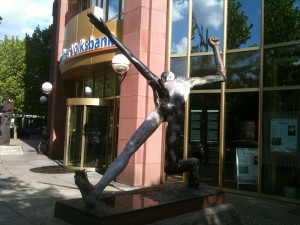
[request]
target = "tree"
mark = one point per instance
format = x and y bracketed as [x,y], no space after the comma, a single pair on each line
[0,19]
[37,59]
[282,21]
[12,69]
[238,31]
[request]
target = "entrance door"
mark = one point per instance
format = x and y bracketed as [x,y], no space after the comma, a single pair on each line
[89,134]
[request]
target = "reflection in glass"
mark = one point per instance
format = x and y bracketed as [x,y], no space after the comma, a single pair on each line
[282,66]
[113,9]
[203,138]
[88,88]
[241,124]
[178,66]
[109,84]
[75,135]
[202,66]
[243,69]
[179,27]
[282,21]
[98,86]
[280,156]
[207,20]
[96,138]
[243,24]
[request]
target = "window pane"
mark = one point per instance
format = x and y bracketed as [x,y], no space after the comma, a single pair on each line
[113,9]
[281,156]
[243,24]
[241,149]
[98,86]
[243,69]
[207,21]
[178,66]
[179,27]
[282,66]
[202,66]
[88,88]
[109,88]
[282,21]
[204,135]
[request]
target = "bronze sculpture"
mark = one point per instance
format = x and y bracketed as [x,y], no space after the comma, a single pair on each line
[170,95]
[7,113]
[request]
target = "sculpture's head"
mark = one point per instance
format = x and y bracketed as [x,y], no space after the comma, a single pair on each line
[167,76]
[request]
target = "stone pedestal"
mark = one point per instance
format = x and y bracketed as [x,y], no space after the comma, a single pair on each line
[10,149]
[163,204]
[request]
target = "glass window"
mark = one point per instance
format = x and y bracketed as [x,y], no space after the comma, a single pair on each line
[74,135]
[98,86]
[282,66]
[240,168]
[202,66]
[243,24]
[204,135]
[282,21]
[84,4]
[281,155]
[109,84]
[179,27]
[178,66]
[88,88]
[207,20]
[113,9]
[243,69]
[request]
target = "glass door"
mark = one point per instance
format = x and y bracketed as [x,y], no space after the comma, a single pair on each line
[89,134]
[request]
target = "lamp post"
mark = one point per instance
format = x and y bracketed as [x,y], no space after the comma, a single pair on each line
[120,64]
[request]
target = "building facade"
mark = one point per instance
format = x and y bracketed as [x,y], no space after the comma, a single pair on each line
[244,131]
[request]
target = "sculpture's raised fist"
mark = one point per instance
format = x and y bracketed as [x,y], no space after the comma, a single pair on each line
[213,41]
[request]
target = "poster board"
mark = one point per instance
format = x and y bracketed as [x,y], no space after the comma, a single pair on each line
[195,126]
[283,135]
[212,126]
[246,166]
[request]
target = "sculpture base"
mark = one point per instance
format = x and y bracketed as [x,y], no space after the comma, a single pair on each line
[10,149]
[142,206]
[4,141]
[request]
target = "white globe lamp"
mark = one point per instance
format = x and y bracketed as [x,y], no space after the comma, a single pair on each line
[120,63]
[47,88]
[87,90]
[43,99]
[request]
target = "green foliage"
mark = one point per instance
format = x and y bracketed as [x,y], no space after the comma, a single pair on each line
[12,69]
[37,59]
[282,21]
[24,67]
[238,31]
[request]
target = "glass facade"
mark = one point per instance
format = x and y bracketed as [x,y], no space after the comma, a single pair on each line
[112,9]
[245,132]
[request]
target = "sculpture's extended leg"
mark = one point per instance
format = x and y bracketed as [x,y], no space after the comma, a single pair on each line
[173,163]
[90,192]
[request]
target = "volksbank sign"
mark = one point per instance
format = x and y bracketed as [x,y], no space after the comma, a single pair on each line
[84,46]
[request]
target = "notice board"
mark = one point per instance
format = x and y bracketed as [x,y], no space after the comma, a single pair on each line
[246,165]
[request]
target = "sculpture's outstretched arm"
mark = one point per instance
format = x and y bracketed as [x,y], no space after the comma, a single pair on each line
[220,74]
[152,79]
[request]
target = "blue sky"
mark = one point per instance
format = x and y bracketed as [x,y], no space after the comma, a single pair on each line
[22,16]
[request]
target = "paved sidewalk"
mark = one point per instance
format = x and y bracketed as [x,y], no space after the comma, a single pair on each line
[31,183]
